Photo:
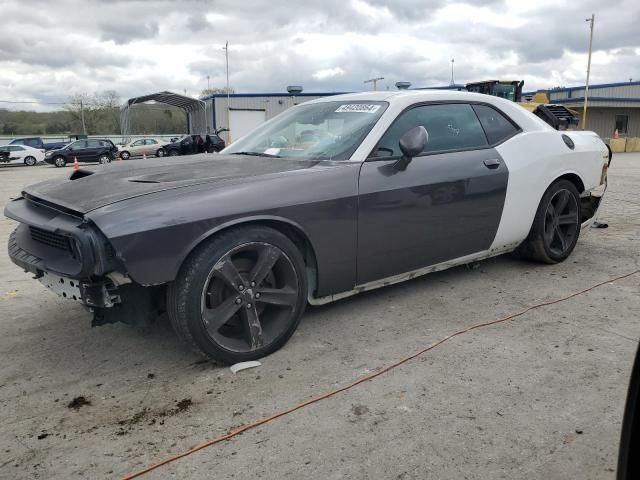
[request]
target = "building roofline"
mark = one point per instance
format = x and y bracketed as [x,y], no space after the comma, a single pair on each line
[591,87]
[442,87]
[303,94]
[595,99]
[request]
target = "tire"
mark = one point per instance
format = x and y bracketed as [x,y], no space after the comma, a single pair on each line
[59,162]
[160,152]
[554,234]
[125,155]
[103,159]
[173,152]
[253,321]
[30,161]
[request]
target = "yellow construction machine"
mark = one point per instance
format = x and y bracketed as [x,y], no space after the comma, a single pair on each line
[558,116]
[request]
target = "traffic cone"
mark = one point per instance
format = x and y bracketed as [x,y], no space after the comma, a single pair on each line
[76,165]
[616,134]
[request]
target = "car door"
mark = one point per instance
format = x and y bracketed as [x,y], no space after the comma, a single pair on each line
[446,204]
[137,148]
[93,150]
[151,146]
[78,149]
[16,153]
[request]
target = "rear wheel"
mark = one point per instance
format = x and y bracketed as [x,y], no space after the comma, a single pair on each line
[59,162]
[160,152]
[556,226]
[240,296]
[173,152]
[104,159]
[30,161]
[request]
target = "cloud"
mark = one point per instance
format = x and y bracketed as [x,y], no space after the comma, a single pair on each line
[137,47]
[328,73]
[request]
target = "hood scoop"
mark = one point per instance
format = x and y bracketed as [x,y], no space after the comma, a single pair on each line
[80,173]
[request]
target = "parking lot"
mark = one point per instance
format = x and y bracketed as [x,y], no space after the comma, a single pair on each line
[539,396]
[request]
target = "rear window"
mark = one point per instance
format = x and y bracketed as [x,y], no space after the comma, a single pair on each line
[496,126]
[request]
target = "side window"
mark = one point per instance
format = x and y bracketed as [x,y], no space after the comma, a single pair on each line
[150,141]
[495,125]
[79,145]
[450,126]
[32,142]
[20,141]
[93,144]
[137,143]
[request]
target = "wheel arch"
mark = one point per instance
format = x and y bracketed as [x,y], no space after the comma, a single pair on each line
[292,230]
[573,177]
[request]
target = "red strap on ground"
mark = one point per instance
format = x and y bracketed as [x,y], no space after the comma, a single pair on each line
[360,380]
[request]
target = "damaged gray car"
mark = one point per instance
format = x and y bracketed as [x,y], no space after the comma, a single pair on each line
[330,198]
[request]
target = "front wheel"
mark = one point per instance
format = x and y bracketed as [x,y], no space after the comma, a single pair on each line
[125,155]
[30,161]
[556,226]
[160,152]
[104,159]
[59,162]
[173,152]
[239,296]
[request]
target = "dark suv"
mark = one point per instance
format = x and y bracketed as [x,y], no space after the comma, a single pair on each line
[88,150]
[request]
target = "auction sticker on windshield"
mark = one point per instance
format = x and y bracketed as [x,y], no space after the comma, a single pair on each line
[358,108]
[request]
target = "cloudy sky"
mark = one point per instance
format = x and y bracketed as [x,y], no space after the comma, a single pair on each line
[50,49]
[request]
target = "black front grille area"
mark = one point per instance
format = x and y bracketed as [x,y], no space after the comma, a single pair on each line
[51,239]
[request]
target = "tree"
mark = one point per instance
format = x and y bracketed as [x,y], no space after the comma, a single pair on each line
[216,91]
[95,114]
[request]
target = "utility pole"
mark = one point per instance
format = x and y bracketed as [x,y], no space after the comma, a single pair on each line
[226,54]
[586,87]
[208,84]
[84,127]
[374,81]
[452,82]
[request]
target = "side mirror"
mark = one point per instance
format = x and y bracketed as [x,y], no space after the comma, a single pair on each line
[412,143]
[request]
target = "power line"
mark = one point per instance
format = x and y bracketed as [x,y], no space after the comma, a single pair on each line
[49,103]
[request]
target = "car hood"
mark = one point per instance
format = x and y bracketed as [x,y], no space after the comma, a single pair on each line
[89,189]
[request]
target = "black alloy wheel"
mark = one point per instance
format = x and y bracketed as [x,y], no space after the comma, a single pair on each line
[240,296]
[160,152]
[125,155]
[561,222]
[556,226]
[249,297]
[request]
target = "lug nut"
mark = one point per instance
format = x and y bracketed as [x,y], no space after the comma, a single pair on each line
[253,284]
[248,305]
[257,295]
[240,287]
[238,300]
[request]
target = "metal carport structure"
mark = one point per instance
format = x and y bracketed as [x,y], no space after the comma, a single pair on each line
[195,109]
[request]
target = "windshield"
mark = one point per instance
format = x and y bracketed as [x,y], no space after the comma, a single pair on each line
[318,131]
[504,90]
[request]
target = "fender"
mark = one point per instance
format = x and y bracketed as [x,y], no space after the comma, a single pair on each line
[241,221]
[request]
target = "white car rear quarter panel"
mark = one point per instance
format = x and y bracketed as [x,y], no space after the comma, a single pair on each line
[535,160]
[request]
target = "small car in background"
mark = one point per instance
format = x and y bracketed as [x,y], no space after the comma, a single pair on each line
[190,144]
[141,146]
[37,142]
[87,150]
[21,154]
[180,146]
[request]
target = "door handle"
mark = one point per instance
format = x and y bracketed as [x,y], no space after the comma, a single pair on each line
[492,162]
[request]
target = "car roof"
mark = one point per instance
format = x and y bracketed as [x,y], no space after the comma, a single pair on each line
[404,98]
